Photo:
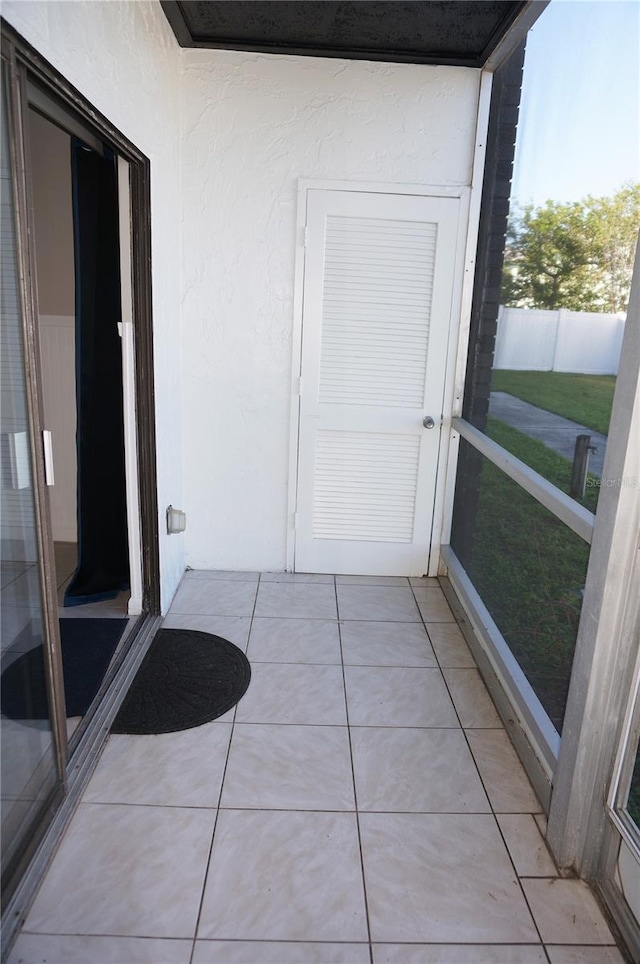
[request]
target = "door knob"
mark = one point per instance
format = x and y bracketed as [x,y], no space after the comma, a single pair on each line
[428,422]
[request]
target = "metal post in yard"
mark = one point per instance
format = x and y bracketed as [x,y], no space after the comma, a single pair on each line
[580,466]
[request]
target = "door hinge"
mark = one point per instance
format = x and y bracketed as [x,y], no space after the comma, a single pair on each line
[305,236]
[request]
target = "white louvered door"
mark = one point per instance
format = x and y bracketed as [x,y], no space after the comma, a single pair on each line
[378,283]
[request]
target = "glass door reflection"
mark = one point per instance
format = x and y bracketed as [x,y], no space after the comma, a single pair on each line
[29,764]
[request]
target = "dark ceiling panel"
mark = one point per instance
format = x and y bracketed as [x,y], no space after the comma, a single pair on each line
[436,31]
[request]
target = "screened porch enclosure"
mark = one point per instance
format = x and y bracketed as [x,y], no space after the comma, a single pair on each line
[367,516]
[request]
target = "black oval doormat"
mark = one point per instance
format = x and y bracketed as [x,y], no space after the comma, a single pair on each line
[187,678]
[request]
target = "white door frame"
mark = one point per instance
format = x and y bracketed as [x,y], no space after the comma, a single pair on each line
[129,390]
[463,269]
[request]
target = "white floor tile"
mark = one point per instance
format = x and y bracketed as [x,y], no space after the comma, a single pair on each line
[471,699]
[541,820]
[566,912]
[278,952]
[421,771]
[398,696]
[201,597]
[294,641]
[10,571]
[449,645]
[318,578]
[126,871]
[23,592]
[434,607]
[584,955]
[377,603]
[526,845]
[52,949]
[181,769]
[441,878]
[504,778]
[372,581]
[233,628]
[289,768]
[285,881]
[19,626]
[385,644]
[293,693]
[458,954]
[105,609]
[296,600]
[223,575]
[281,875]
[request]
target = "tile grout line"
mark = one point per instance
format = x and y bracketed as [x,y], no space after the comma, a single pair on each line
[218,808]
[353,778]
[493,810]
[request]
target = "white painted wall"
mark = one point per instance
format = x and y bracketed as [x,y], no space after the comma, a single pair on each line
[532,339]
[124,58]
[251,126]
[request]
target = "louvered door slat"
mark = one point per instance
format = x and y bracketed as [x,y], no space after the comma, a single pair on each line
[376,275]
[375,354]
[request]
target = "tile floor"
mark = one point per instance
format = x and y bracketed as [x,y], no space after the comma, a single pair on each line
[66,561]
[27,756]
[361,804]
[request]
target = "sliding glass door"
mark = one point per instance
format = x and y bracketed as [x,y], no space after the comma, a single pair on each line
[31,772]
[57,658]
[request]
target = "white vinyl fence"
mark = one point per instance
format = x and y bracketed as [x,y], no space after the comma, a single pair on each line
[531,339]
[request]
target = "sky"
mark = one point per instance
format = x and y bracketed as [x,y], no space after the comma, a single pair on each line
[579,127]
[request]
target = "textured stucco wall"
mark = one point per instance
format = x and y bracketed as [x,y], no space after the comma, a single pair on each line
[228,135]
[252,125]
[124,58]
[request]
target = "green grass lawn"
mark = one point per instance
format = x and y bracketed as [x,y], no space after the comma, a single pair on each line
[585,399]
[530,571]
[544,460]
[530,568]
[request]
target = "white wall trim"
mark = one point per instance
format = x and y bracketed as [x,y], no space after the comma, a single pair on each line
[296,364]
[382,187]
[458,295]
[444,505]
[129,392]
[516,33]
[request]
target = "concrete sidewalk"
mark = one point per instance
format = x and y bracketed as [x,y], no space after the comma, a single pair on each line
[558,433]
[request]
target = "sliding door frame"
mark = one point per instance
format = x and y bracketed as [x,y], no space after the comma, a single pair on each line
[44,540]
[30,67]
[28,71]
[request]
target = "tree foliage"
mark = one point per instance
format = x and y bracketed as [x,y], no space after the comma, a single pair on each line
[576,255]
